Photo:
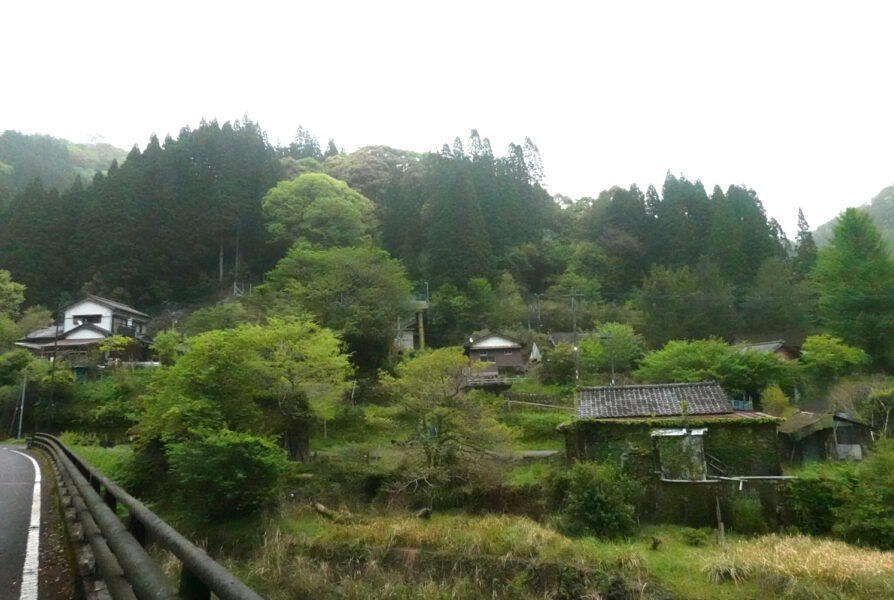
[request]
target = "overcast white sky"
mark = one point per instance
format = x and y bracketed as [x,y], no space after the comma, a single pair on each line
[793,99]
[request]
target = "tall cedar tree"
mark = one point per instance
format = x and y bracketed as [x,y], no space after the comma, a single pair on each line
[855,279]
[457,245]
[805,247]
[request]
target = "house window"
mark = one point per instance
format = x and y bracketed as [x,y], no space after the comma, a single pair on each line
[486,357]
[681,454]
[507,352]
[81,319]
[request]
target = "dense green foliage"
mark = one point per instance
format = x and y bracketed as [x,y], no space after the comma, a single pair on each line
[817,493]
[224,473]
[855,276]
[740,371]
[270,380]
[868,515]
[599,500]
[358,291]
[319,209]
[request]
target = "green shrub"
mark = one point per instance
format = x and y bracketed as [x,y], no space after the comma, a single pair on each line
[226,473]
[599,500]
[819,490]
[108,407]
[695,537]
[536,426]
[76,438]
[116,463]
[746,516]
[557,367]
[867,517]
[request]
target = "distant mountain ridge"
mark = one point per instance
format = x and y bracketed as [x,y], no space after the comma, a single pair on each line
[56,162]
[880,208]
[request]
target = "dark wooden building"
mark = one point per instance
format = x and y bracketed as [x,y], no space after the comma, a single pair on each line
[807,436]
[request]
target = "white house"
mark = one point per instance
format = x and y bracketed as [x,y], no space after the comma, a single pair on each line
[87,322]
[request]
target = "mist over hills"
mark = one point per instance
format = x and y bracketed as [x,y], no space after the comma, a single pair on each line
[56,162]
[880,208]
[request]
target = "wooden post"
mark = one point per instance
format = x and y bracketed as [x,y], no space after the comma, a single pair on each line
[420,326]
[720,531]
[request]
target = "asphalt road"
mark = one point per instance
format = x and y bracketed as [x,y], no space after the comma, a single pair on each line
[16,488]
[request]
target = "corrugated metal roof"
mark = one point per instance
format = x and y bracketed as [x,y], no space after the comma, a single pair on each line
[801,424]
[770,346]
[661,400]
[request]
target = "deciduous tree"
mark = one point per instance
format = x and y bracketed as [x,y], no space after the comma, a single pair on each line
[454,429]
[358,291]
[318,209]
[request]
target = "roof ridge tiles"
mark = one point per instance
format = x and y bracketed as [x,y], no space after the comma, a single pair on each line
[650,385]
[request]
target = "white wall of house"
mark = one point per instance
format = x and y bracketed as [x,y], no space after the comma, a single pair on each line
[84,308]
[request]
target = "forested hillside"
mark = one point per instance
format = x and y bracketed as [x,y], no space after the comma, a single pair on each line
[186,218]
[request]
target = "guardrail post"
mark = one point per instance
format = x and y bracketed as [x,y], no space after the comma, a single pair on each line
[191,587]
[137,529]
[111,502]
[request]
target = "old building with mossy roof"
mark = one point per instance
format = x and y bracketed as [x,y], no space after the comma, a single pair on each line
[675,432]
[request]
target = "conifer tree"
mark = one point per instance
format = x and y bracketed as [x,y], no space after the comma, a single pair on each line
[805,247]
[855,280]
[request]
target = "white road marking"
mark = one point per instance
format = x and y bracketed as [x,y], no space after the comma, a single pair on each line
[29,573]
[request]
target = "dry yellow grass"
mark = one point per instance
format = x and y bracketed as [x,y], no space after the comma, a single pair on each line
[500,535]
[802,560]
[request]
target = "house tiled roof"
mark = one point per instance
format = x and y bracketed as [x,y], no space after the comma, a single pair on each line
[661,400]
[45,333]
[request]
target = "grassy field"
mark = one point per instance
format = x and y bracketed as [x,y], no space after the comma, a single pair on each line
[301,545]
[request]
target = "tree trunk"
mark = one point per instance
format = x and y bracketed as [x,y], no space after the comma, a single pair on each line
[220,261]
[296,439]
[236,258]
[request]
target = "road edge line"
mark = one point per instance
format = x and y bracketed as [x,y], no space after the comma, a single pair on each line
[32,556]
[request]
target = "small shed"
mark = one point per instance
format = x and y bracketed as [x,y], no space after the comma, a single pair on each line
[807,436]
[503,354]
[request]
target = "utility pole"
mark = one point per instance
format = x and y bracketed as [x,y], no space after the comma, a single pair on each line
[574,295]
[22,404]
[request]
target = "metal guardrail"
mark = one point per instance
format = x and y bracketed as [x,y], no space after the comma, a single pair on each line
[121,559]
